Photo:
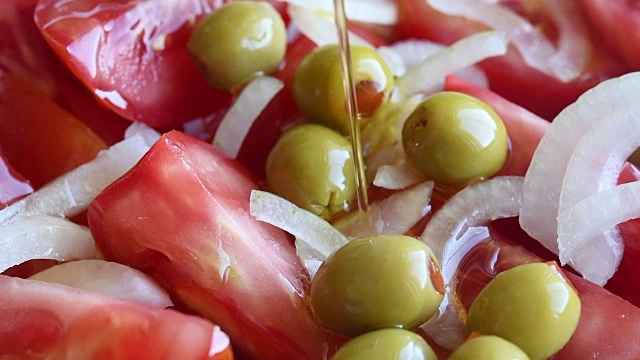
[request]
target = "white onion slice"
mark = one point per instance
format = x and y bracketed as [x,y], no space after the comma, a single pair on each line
[219,341]
[71,193]
[319,28]
[44,237]
[108,278]
[595,166]
[428,76]
[545,176]
[564,63]
[397,177]
[316,239]
[236,123]
[403,54]
[394,215]
[383,12]
[580,230]
[453,231]
[149,134]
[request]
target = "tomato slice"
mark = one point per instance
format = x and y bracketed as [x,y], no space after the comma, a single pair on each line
[182,216]
[40,139]
[132,55]
[42,320]
[508,75]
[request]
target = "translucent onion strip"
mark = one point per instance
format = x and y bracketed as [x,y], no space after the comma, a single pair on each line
[108,278]
[316,239]
[396,214]
[383,12]
[428,75]
[319,28]
[71,193]
[236,123]
[149,134]
[580,230]
[453,231]
[44,237]
[545,176]
[564,63]
[397,177]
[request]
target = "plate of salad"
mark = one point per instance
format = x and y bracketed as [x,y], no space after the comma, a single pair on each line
[179,180]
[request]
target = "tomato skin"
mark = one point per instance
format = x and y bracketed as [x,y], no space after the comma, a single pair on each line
[41,140]
[132,55]
[508,75]
[42,320]
[182,215]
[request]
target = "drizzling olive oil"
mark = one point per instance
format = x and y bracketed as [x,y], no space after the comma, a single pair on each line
[352,104]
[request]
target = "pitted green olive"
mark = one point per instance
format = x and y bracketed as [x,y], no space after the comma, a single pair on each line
[238,41]
[377,282]
[312,166]
[386,344]
[318,85]
[531,305]
[455,139]
[488,347]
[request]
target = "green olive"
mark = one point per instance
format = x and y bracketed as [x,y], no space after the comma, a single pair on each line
[386,344]
[319,91]
[312,166]
[531,305]
[238,41]
[455,139]
[383,281]
[488,347]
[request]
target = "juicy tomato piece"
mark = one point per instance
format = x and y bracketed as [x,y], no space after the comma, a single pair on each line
[508,75]
[43,320]
[26,55]
[524,128]
[13,186]
[618,23]
[132,55]
[182,216]
[608,325]
[40,139]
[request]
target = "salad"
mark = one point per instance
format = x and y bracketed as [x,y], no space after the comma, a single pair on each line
[176,180]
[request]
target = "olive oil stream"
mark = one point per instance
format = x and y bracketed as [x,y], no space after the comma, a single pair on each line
[352,105]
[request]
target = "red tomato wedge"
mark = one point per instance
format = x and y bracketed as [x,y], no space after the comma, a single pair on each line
[618,23]
[132,55]
[608,327]
[42,320]
[182,216]
[508,75]
[41,140]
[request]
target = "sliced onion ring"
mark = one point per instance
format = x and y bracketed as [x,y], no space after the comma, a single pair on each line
[316,239]
[70,194]
[383,12]
[453,231]
[108,278]
[429,75]
[394,215]
[318,28]
[545,176]
[44,237]
[396,177]
[236,123]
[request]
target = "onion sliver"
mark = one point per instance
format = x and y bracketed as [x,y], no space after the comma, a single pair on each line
[545,176]
[149,134]
[587,234]
[383,12]
[108,278]
[71,193]
[44,237]
[453,231]
[316,239]
[244,111]
[396,177]
[318,28]
[394,215]
[428,76]
[564,63]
